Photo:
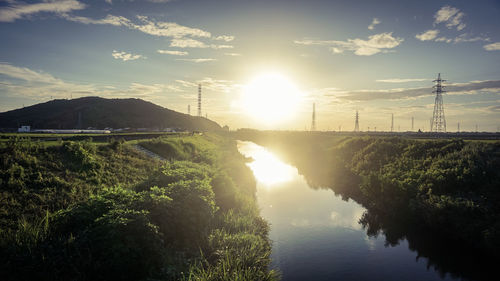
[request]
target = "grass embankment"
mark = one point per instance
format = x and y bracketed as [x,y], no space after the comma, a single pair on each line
[447,187]
[77,211]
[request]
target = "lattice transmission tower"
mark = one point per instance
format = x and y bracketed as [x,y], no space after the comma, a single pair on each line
[313,124]
[438,124]
[199,100]
[356,125]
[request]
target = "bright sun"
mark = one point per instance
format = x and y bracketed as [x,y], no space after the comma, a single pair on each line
[270,98]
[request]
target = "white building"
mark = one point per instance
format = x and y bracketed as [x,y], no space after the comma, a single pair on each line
[24,129]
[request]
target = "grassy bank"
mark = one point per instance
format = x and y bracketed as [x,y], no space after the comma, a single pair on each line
[80,211]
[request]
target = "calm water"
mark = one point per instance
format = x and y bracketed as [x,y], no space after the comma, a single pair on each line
[316,235]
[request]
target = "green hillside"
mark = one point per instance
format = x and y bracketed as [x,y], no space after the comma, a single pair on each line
[101,113]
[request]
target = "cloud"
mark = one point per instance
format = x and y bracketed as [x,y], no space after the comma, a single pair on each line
[444,39]
[126,56]
[26,74]
[375,44]
[198,60]
[193,43]
[24,82]
[492,47]
[402,80]
[226,38]
[187,43]
[375,21]
[145,25]
[451,16]
[467,38]
[427,35]
[473,87]
[216,85]
[17,10]
[232,54]
[431,35]
[174,53]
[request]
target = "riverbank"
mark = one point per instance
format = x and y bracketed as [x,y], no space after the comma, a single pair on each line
[81,211]
[439,194]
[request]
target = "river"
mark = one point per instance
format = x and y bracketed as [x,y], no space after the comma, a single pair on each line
[316,234]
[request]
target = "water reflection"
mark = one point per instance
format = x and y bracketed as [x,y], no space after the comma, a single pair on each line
[318,236]
[267,168]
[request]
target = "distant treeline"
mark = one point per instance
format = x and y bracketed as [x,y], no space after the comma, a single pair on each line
[440,189]
[82,211]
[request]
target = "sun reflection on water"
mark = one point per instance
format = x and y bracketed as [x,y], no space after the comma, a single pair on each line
[266,167]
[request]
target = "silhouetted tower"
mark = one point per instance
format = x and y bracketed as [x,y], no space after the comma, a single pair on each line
[313,124]
[356,125]
[438,124]
[199,100]
[189,109]
[458,127]
[392,122]
[412,123]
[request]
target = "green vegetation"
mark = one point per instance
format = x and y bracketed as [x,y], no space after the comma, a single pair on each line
[446,187]
[78,211]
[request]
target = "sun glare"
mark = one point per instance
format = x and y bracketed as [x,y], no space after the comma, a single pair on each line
[270,98]
[266,167]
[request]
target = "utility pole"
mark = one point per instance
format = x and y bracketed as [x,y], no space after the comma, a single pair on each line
[199,100]
[438,124]
[356,125]
[392,122]
[313,125]
[458,127]
[412,123]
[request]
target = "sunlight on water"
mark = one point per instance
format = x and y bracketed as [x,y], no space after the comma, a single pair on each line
[267,168]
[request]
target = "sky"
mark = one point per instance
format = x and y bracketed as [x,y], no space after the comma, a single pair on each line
[375,57]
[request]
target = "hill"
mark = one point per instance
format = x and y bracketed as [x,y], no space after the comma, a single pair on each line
[101,113]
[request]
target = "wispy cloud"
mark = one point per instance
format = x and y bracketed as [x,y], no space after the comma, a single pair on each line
[375,44]
[173,53]
[492,47]
[402,80]
[193,43]
[427,35]
[226,38]
[375,21]
[187,43]
[452,17]
[27,83]
[144,24]
[432,35]
[216,85]
[126,56]
[198,60]
[18,10]
[473,87]
[232,54]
